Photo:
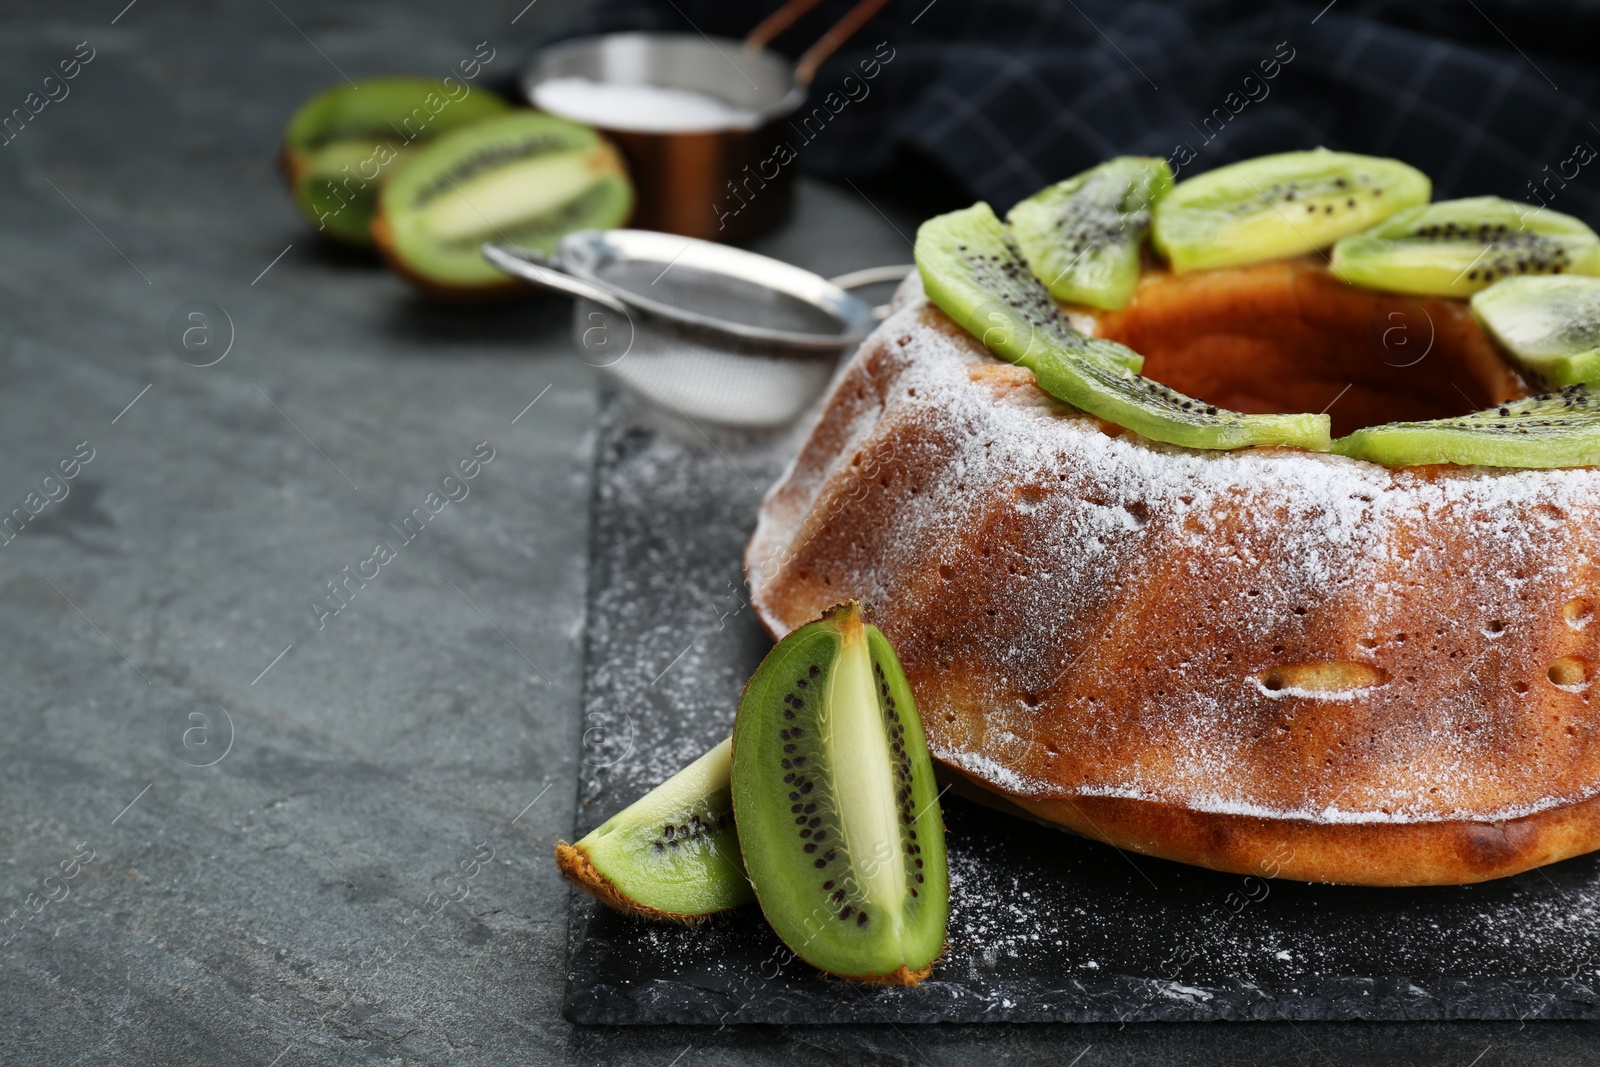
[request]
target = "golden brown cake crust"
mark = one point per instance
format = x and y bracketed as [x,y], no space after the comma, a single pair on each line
[1265,661]
[1394,854]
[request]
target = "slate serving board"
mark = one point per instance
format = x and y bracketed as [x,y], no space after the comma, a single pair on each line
[1044,926]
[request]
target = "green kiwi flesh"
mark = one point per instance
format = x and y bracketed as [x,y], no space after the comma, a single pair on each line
[1458,247]
[838,811]
[973,271]
[1082,237]
[672,854]
[1559,429]
[342,143]
[1278,206]
[1548,324]
[526,179]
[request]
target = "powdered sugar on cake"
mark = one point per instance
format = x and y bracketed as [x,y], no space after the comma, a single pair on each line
[1036,568]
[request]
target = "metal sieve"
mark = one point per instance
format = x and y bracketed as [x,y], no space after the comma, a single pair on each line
[708,331]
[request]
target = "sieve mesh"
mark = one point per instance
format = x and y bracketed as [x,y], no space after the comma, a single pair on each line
[701,382]
[719,296]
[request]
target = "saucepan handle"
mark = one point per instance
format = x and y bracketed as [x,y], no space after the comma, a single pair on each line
[805,68]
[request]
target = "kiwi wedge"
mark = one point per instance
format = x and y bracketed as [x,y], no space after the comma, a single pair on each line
[973,270]
[1559,429]
[1278,206]
[672,854]
[1458,247]
[1549,324]
[526,179]
[342,143]
[838,812]
[1082,237]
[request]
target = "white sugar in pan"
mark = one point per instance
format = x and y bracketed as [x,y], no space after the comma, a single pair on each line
[640,108]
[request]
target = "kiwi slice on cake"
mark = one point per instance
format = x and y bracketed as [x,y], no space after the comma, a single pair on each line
[974,272]
[837,806]
[672,854]
[1458,247]
[1549,324]
[1559,429]
[342,143]
[1082,237]
[526,179]
[1278,206]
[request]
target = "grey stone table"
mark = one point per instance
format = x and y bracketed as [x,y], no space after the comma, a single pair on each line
[235,827]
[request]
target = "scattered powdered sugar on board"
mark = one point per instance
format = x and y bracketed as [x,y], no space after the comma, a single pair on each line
[672,638]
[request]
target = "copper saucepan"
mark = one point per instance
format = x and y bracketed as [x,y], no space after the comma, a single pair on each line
[714,184]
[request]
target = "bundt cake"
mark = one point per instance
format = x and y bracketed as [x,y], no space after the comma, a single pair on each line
[1262,656]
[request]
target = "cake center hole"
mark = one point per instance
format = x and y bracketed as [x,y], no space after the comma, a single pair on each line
[1288,337]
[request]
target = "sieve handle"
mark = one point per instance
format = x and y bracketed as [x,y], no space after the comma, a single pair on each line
[514,261]
[873,276]
[857,279]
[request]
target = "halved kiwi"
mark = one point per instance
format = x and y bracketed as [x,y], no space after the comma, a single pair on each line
[973,270]
[1278,206]
[1082,237]
[342,143]
[1457,247]
[1560,429]
[1550,325]
[838,811]
[526,179]
[672,854]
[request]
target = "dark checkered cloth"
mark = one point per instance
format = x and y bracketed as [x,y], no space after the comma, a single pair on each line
[1486,96]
